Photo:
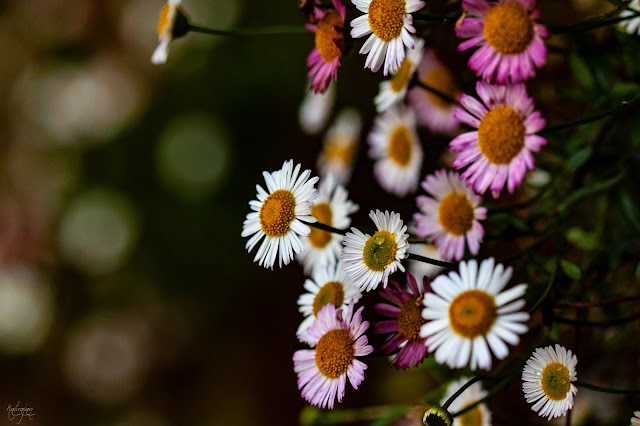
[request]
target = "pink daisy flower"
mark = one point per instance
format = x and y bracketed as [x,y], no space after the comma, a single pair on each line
[324,59]
[406,311]
[432,111]
[450,215]
[500,151]
[323,371]
[509,38]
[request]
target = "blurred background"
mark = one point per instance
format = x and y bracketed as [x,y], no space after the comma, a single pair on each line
[126,294]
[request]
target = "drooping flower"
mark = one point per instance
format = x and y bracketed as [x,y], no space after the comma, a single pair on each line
[500,151]
[338,340]
[406,311]
[331,207]
[396,148]
[450,215]
[324,59]
[340,147]
[433,112]
[369,260]
[546,381]
[469,316]
[477,416]
[277,215]
[390,24]
[329,285]
[172,24]
[315,109]
[393,91]
[509,38]
[632,26]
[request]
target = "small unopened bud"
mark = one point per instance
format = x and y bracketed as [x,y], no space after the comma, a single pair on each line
[436,416]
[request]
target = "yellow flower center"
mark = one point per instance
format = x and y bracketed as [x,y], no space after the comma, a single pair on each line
[401,78]
[164,19]
[501,134]
[327,35]
[472,417]
[555,381]
[331,292]
[380,250]
[472,313]
[322,212]
[410,319]
[335,353]
[400,146]
[341,150]
[508,28]
[456,214]
[386,18]
[277,213]
[441,79]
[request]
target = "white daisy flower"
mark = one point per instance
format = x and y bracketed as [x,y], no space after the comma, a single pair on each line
[470,316]
[340,146]
[390,23]
[477,416]
[278,214]
[632,26]
[331,207]
[329,285]
[315,109]
[369,260]
[396,148]
[547,378]
[450,215]
[635,420]
[392,91]
[172,24]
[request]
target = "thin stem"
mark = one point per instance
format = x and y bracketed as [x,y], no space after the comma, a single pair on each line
[609,323]
[499,387]
[273,30]
[589,119]
[416,82]
[597,303]
[464,387]
[425,17]
[532,247]
[413,256]
[589,24]
[544,295]
[327,228]
[606,390]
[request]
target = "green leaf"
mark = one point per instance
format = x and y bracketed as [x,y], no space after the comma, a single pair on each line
[570,270]
[582,239]
[578,159]
[629,210]
[580,70]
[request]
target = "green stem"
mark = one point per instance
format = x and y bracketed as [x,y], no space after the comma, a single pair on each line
[606,390]
[552,279]
[532,247]
[499,387]
[464,387]
[413,256]
[274,30]
[589,119]
[416,82]
[597,303]
[327,228]
[425,17]
[609,323]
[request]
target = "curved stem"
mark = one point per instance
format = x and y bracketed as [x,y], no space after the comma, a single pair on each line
[589,119]
[606,390]
[273,30]
[549,286]
[590,24]
[413,256]
[463,388]
[327,228]
[609,323]
[597,303]
[499,387]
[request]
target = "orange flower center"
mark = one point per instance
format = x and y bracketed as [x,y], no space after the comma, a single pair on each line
[335,353]
[331,292]
[164,19]
[410,319]
[400,146]
[472,417]
[400,79]
[327,36]
[555,381]
[386,18]
[441,79]
[501,134]
[317,237]
[341,150]
[472,313]
[380,250]
[456,214]
[277,213]
[508,28]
